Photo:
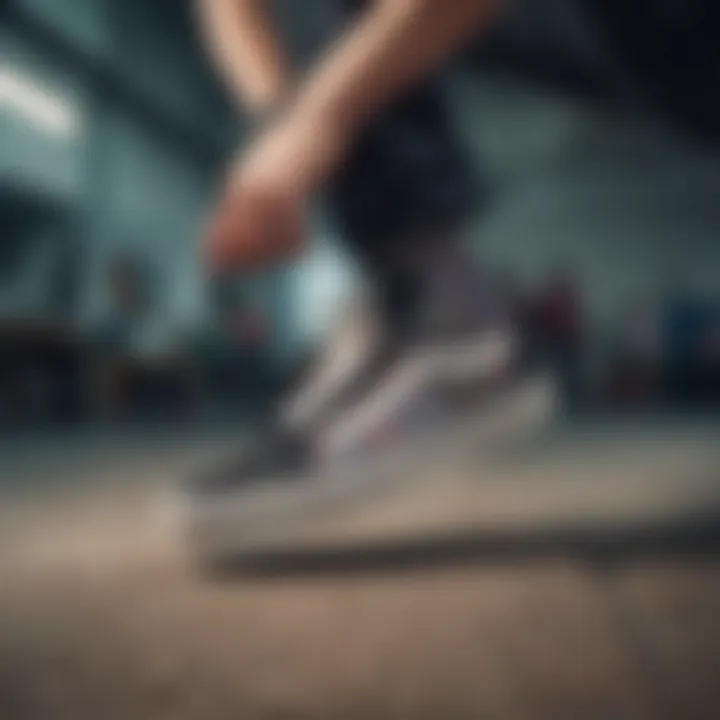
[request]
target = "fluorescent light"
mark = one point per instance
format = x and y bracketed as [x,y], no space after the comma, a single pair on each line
[46,110]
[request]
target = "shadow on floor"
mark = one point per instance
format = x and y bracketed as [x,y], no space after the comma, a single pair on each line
[681,538]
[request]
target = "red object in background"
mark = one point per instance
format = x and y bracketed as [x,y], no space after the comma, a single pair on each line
[561,312]
[712,345]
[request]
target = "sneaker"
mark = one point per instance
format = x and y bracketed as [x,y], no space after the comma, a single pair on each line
[354,359]
[367,379]
[373,403]
[365,462]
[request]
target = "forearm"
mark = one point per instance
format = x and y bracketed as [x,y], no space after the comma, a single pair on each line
[394,45]
[246,49]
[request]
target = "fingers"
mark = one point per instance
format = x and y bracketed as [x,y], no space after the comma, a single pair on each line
[255,229]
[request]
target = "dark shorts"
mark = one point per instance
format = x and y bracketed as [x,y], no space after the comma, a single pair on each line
[408,173]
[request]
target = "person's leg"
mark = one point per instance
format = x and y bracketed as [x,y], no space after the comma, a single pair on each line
[400,205]
[405,194]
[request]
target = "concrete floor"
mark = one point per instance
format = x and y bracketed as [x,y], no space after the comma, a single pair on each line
[101,616]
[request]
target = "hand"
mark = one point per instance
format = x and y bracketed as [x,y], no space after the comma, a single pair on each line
[261,220]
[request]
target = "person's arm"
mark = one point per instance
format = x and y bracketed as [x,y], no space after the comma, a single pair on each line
[247,51]
[395,44]
[392,46]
